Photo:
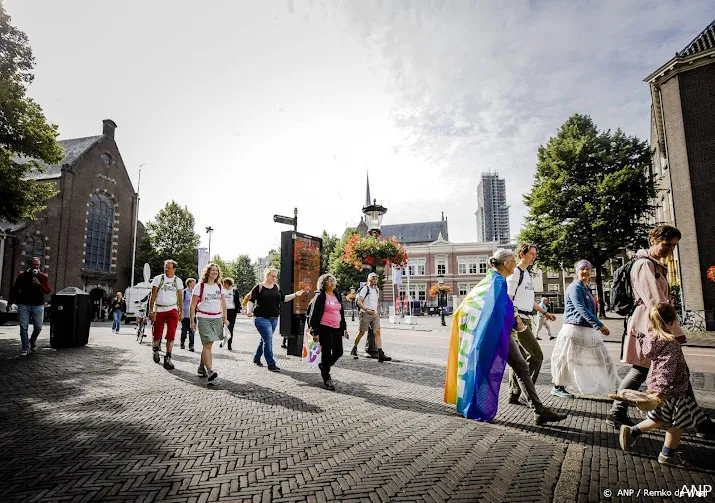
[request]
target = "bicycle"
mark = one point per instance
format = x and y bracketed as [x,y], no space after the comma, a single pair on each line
[693,322]
[141,325]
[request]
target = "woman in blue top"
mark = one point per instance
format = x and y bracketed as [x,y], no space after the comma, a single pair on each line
[580,361]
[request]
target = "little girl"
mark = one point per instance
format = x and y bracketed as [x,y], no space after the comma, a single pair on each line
[669,378]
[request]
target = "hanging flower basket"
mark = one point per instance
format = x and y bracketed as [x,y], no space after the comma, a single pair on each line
[306,255]
[711,273]
[371,251]
[438,289]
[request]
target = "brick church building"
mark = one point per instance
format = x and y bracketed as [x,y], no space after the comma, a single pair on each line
[84,237]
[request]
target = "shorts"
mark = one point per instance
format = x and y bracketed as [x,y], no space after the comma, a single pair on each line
[368,320]
[210,329]
[171,318]
[679,412]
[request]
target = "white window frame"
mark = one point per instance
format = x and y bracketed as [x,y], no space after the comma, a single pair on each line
[441,261]
[417,266]
[551,274]
[472,265]
[483,267]
[465,287]
[553,287]
[418,291]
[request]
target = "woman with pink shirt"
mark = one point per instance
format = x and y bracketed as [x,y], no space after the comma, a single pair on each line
[327,323]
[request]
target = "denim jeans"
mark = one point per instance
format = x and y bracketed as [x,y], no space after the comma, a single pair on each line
[266,327]
[116,320]
[24,312]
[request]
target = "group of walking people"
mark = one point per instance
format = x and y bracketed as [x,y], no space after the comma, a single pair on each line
[210,306]
[498,330]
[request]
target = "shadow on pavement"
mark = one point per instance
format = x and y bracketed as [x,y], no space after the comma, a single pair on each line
[50,438]
[362,391]
[248,391]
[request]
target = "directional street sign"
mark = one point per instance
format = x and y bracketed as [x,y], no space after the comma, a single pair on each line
[280,219]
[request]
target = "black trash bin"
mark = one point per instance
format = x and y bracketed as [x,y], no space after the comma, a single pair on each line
[70,318]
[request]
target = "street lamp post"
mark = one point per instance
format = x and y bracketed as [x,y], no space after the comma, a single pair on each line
[440,280]
[352,290]
[209,231]
[373,218]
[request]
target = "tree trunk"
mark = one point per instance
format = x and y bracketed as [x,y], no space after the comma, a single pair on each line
[599,290]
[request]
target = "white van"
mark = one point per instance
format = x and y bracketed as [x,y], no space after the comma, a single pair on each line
[132,297]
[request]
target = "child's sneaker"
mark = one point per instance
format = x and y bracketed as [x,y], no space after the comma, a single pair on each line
[675,460]
[625,438]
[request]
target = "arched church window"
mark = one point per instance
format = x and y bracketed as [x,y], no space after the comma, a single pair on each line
[35,247]
[100,223]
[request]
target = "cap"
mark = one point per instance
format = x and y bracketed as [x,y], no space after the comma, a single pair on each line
[371,275]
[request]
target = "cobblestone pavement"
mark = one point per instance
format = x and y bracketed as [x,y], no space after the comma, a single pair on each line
[104,423]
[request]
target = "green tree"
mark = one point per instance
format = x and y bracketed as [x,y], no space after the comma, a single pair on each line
[591,197]
[171,236]
[146,254]
[329,244]
[24,131]
[275,256]
[227,268]
[244,275]
[345,274]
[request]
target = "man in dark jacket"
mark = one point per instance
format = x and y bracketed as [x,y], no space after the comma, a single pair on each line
[29,292]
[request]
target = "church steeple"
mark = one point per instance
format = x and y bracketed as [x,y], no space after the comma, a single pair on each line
[368,199]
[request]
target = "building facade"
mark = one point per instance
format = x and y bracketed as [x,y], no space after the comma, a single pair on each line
[460,266]
[682,132]
[492,211]
[84,238]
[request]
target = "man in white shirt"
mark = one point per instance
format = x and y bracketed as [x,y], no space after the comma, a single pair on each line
[166,307]
[370,316]
[521,291]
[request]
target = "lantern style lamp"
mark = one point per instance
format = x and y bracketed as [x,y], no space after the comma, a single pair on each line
[373,217]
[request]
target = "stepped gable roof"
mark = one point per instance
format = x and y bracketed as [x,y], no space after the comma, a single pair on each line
[703,42]
[74,148]
[420,232]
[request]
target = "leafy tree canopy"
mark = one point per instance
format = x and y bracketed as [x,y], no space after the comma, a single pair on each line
[24,131]
[591,196]
[171,236]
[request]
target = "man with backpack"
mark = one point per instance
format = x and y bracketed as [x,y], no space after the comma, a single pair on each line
[637,286]
[367,302]
[166,307]
[521,291]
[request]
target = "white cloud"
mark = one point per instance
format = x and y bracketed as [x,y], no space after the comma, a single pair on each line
[245,109]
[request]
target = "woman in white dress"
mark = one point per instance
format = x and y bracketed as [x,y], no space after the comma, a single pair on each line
[580,362]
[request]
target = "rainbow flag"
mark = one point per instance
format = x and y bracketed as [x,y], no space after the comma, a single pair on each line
[478,349]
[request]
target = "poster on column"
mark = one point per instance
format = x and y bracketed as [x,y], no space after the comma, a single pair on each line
[306,270]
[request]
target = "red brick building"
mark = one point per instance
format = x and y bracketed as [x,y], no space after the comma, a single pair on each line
[682,133]
[85,236]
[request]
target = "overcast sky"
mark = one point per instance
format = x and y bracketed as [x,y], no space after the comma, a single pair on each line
[241,109]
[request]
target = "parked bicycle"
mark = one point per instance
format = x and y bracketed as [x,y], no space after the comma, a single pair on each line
[692,321]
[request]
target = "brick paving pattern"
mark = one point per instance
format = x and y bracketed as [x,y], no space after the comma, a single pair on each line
[105,423]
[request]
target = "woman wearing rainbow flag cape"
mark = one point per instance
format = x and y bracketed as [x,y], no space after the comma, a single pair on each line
[483,343]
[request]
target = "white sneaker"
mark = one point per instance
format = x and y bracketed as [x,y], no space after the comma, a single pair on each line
[25,352]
